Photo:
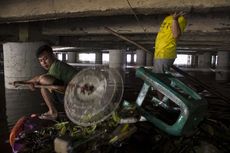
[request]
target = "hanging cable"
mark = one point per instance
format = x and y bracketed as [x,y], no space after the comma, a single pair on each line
[137,19]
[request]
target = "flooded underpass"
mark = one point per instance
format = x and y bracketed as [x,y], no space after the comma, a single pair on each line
[186,112]
[211,134]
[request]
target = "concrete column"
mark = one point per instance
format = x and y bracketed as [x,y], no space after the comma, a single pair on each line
[77,57]
[20,61]
[55,54]
[213,61]
[124,58]
[71,57]
[223,66]
[116,58]
[63,57]
[132,59]
[98,58]
[194,62]
[204,60]
[140,58]
[149,59]
[1,58]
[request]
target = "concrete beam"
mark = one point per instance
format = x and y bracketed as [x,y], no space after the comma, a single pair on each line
[189,41]
[218,22]
[17,10]
[123,45]
[191,38]
[204,32]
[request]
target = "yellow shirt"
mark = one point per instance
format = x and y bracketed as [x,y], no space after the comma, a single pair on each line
[165,44]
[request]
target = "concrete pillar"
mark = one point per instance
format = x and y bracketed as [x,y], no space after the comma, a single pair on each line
[64,57]
[204,60]
[116,58]
[140,58]
[20,61]
[71,57]
[213,61]
[77,57]
[223,66]
[194,62]
[1,58]
[124,58]
[98,58]
[132,59]
[149,59]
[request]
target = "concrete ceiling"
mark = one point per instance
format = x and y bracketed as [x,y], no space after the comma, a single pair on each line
[82,23]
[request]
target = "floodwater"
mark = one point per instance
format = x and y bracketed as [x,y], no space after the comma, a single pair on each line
[17,103]
[4,129]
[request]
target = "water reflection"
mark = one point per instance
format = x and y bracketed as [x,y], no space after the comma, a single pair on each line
[4,130]
[15,104]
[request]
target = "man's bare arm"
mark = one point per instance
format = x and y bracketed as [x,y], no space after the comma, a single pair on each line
[175,25]
[30,83]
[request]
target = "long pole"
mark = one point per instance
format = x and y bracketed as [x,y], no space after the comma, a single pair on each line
[186,75]
[126,39]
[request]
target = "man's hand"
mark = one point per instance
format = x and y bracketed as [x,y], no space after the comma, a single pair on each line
[176,15]
[31,85]
[17,83]
[176,31]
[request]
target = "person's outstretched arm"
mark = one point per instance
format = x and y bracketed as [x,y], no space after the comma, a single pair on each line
[30,83]
[175,25]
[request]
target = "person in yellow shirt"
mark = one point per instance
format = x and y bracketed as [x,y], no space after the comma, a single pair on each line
[165,45]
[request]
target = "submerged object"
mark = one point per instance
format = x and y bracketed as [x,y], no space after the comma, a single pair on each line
[18,127]
[25,134]
[192,107]
[93,95]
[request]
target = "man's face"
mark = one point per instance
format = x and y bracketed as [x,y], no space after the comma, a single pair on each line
[46,60]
